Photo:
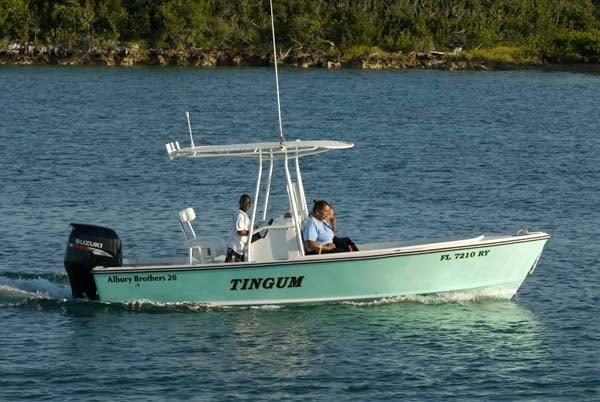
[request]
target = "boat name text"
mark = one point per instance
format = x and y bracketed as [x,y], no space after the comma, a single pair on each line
[464,254]
[267,283]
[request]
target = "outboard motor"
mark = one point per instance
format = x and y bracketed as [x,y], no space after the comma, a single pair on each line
[90,246]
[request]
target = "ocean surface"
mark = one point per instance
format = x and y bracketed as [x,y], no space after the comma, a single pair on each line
[438,155]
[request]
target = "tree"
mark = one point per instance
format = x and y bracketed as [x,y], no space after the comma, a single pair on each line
[184,23]
[69,23]
[109,18]
[15,20]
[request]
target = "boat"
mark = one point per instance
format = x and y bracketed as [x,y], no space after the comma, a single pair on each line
[277,269]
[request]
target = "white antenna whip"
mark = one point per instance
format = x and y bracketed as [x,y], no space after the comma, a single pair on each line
[187,116]
[281,137]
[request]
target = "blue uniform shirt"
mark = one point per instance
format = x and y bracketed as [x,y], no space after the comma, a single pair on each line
[316,230]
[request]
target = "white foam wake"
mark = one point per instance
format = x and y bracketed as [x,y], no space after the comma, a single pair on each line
[467,296]
[14,290]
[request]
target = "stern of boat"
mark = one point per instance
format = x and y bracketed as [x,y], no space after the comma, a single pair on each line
[90,246]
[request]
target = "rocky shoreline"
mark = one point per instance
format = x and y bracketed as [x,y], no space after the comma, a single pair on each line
[26,54]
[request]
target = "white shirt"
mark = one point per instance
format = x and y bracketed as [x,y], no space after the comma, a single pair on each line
[236,242]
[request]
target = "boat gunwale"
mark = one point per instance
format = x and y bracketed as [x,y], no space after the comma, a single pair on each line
[327,258]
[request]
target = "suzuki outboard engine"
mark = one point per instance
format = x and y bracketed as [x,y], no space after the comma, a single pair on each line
[90,246]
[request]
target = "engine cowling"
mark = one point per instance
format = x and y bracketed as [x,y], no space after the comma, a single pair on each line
[90,246]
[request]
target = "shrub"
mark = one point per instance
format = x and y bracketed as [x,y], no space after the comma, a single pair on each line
[576,46]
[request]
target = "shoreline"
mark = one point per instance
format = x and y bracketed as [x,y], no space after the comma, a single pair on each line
[132,56]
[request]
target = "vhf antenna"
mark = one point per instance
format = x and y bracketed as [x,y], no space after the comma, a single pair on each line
[281,137]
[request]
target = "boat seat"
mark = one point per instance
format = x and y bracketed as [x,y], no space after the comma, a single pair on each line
[186,216]
[206,249]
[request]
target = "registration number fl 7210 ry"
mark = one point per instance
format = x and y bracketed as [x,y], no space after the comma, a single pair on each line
[464,254]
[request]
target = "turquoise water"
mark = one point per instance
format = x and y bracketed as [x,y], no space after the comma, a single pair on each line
[438,155]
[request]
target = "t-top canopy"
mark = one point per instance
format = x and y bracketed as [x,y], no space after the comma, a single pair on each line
[267,150]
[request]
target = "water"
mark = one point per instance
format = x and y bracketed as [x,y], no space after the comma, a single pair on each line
[438,155]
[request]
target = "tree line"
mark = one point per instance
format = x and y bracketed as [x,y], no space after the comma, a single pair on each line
[556,28]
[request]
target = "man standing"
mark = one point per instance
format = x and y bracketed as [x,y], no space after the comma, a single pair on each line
[238,234]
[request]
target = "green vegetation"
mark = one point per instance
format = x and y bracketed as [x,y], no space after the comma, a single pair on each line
[502,30]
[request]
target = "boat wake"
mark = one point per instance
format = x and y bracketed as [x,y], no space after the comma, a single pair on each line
[466,297]
[151,306]
[22,288]
[463,297]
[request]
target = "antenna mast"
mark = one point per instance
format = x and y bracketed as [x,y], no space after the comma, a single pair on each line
[281,137]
